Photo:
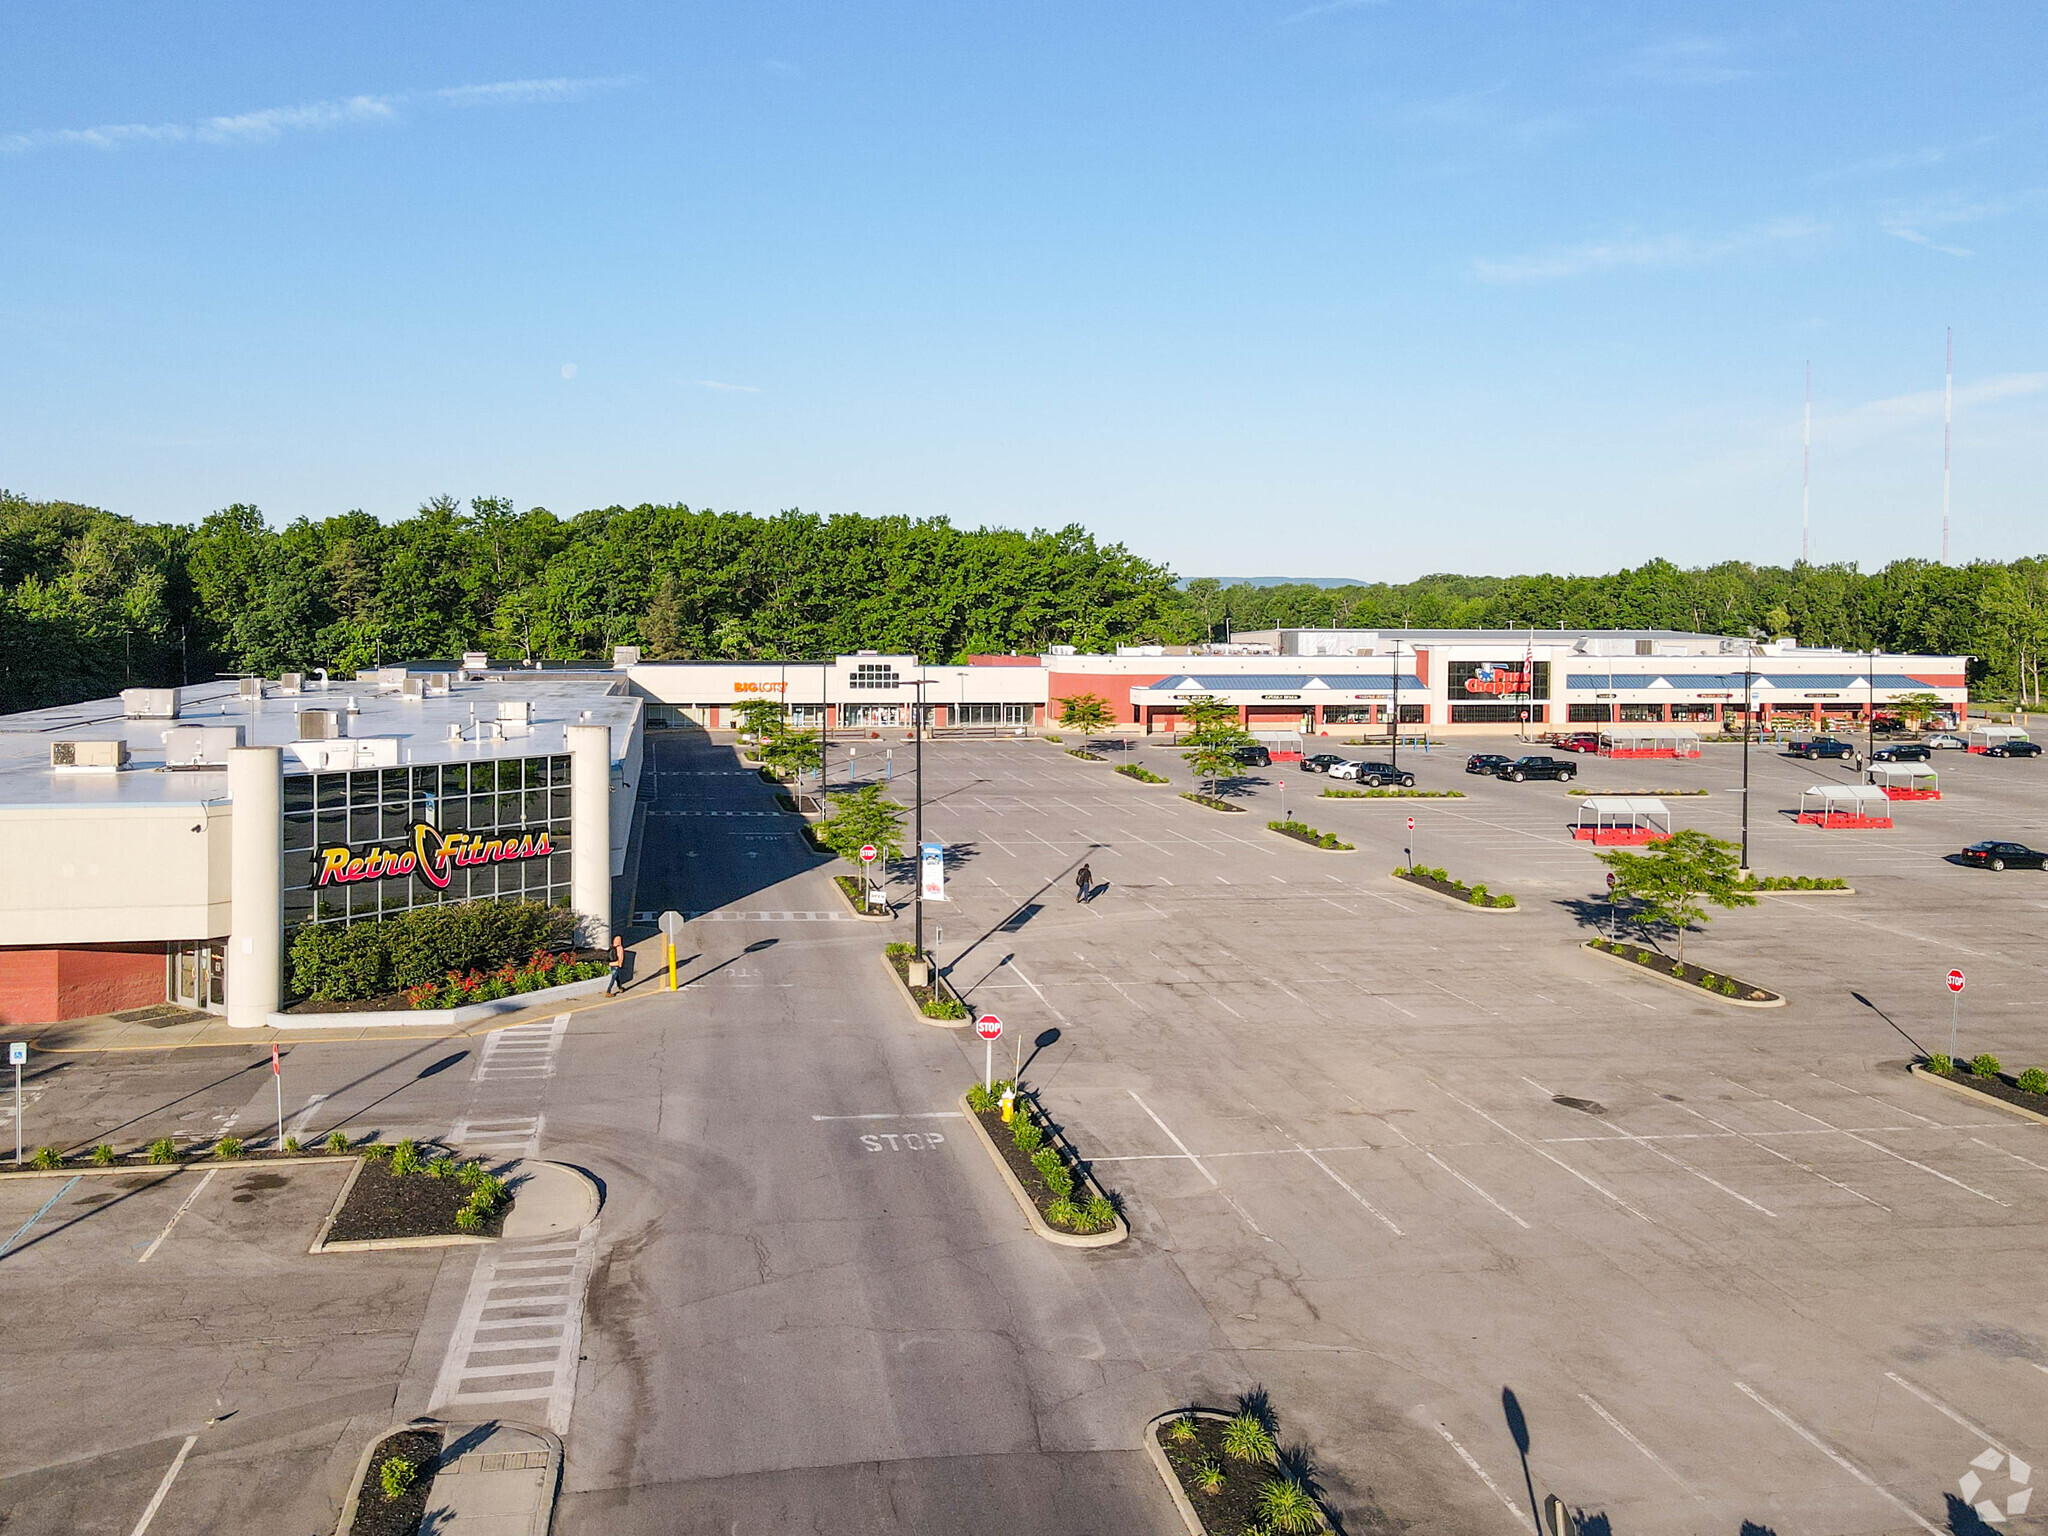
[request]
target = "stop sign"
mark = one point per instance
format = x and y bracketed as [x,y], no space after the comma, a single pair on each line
[1955,981]
[988,1026]
[1411,823]
[867,853]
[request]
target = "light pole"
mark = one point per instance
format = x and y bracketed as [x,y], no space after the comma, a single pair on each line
[917,734]
[1748,728]
[1394,718]
[1869,705]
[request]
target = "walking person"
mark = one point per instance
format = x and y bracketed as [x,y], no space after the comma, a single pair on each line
[618,981]
[1084,881]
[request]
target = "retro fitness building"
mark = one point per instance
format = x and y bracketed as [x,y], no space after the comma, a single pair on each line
[166,845]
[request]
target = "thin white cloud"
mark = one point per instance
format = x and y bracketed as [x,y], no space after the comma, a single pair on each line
[1670,250]
[1326,8]
[272,123]
[1686,61]
[783,67]
[729,389]
[1921,222]
[1876,418]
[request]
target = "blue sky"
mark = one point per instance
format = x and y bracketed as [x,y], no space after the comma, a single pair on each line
[1334,288]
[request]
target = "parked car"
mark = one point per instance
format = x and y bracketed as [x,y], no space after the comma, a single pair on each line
[1322,762]
[1253,756]
[1373,775]
[1487,762]
[1943,742]
[1820,746]
[2014,749]
[1579,741]
[1904,752]
[1540,768]
[1997,855]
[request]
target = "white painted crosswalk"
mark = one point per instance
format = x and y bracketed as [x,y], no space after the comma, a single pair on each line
[520,1330]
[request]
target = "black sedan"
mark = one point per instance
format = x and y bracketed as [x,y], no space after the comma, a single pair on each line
[1322,762]
[1995,855]
[1487,762]
[2013,749]
[1904,752]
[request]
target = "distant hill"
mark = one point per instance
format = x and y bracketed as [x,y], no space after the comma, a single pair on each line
[1277,581]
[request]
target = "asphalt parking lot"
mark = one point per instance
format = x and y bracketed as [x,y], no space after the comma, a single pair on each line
[1431,1171]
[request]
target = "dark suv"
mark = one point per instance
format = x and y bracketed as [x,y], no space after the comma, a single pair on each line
[1820,746]
[1253,757]
[1487,762]
[1540,768]
[1373,775]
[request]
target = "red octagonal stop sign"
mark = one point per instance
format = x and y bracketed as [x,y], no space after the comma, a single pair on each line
[1955,981]
[988,1026]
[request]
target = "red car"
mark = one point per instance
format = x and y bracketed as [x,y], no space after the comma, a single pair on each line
[1579,741]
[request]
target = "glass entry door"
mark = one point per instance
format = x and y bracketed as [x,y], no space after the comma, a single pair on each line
[198,975]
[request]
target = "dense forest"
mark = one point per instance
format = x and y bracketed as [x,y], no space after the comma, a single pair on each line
[91,602]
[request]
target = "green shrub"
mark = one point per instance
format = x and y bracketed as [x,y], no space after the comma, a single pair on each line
[1503,901]
[1141,774]
[47,1157]
[980,1099]
[470,1174]
[1059,1180]
[293,1146]
[469,1219]
[2034,1080]
[377,1151]
[1984,1064]
[899,951]
[228,1148]
[1642,957]
[1246,1438]
[103,1155]
[337,1141]
[1047,1160]
[1182,1429]
[1025,1133]
[405,1158]
[1063,1212]
[1728,986]
[396,1477]
[1285,1505]
[1941,1064]
[1479,895]
[442,1167]
[1209,1476]
[1099,1213]
[163,1150]
[945,1008]
[332,963]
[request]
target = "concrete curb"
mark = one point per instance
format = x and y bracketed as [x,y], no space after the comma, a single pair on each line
[1157,1452]
[1304,843]
[1235,810]
[355,1486]
[1457,902]
[379,1244]
[1974,1096]
[1115,1234]
[444,1018]
[538,1520]
[1141,783]
[888,916]
[1686,986]
[910,1002]
[557,1199]
[195,1164]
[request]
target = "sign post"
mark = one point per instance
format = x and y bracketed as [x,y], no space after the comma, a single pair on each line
[990,1028]
[1411,842]
[277,1071]
[1955,1006]
[867,874]
[17,1053]
[671,930]
[1610,906]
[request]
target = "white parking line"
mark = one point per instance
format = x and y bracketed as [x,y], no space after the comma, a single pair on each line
[1833,1455]
[1622,1430]
[1354,1194]
[2037,1167]
[1184,1152]
[177,1216]
[1785,1157]
[1949,1413]
[157,1500]
[1888,1152]
[1679,1162]
[1590,1183]
[1465,1456]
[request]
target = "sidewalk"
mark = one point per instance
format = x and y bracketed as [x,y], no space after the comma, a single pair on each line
[500,1482]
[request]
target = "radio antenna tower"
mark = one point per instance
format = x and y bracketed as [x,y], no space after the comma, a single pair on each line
[1948,416]
[1806,478]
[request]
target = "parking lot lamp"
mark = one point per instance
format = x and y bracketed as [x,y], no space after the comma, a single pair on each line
[1394,719]
[1748,728]
[1869,704]
[917,734]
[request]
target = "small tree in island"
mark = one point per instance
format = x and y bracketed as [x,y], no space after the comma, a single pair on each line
[759,717]
[1213,738]
[1086,713]
[789,752]
[1670,882]
[863,817]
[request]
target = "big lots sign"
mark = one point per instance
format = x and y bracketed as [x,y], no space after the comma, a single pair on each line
[431,854]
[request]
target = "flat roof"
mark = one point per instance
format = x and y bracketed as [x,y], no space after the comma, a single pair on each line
[559,700]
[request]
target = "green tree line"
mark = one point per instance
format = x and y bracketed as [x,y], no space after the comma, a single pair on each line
[91,601]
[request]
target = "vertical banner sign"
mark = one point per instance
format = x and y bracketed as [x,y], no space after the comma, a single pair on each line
[933,867]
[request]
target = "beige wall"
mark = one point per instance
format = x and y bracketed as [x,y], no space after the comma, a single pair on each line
[113,874]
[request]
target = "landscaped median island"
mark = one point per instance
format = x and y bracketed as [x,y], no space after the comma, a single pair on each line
[936,1001]
[1437,881]
[1302,832]
[855,892]
[167,1152]
[1209,801]
[1983,1076]
[1393,794]
[1783,885]
[392,1500]
[1044,1173]
[1229,1475]
[1712,983]
[1085,755]
[1141,773]
[406,1192]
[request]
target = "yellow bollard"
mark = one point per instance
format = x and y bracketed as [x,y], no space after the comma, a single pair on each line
[671,964]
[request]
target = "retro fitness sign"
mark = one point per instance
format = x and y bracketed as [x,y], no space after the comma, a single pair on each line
[433,855]
[1497,680]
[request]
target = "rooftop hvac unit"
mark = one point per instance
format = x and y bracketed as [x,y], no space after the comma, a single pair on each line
[357,752]
[625,656]
[413,688]
[476,661]
[389,677]
[149,703]
[200,746]
[322,724]
[290,682]
[437,682]
[89,756]
[249,688]
[519,711]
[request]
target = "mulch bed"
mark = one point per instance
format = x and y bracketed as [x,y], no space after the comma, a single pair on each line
[1210,801]
[1233,1509]
[1086,756]
[1314,840]
[394,1002]
[379,1516]
[1449,888]
[1020,1160]
[2000,1087]
[938,991]
[855,892]
[1665,965]
[417,1205]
